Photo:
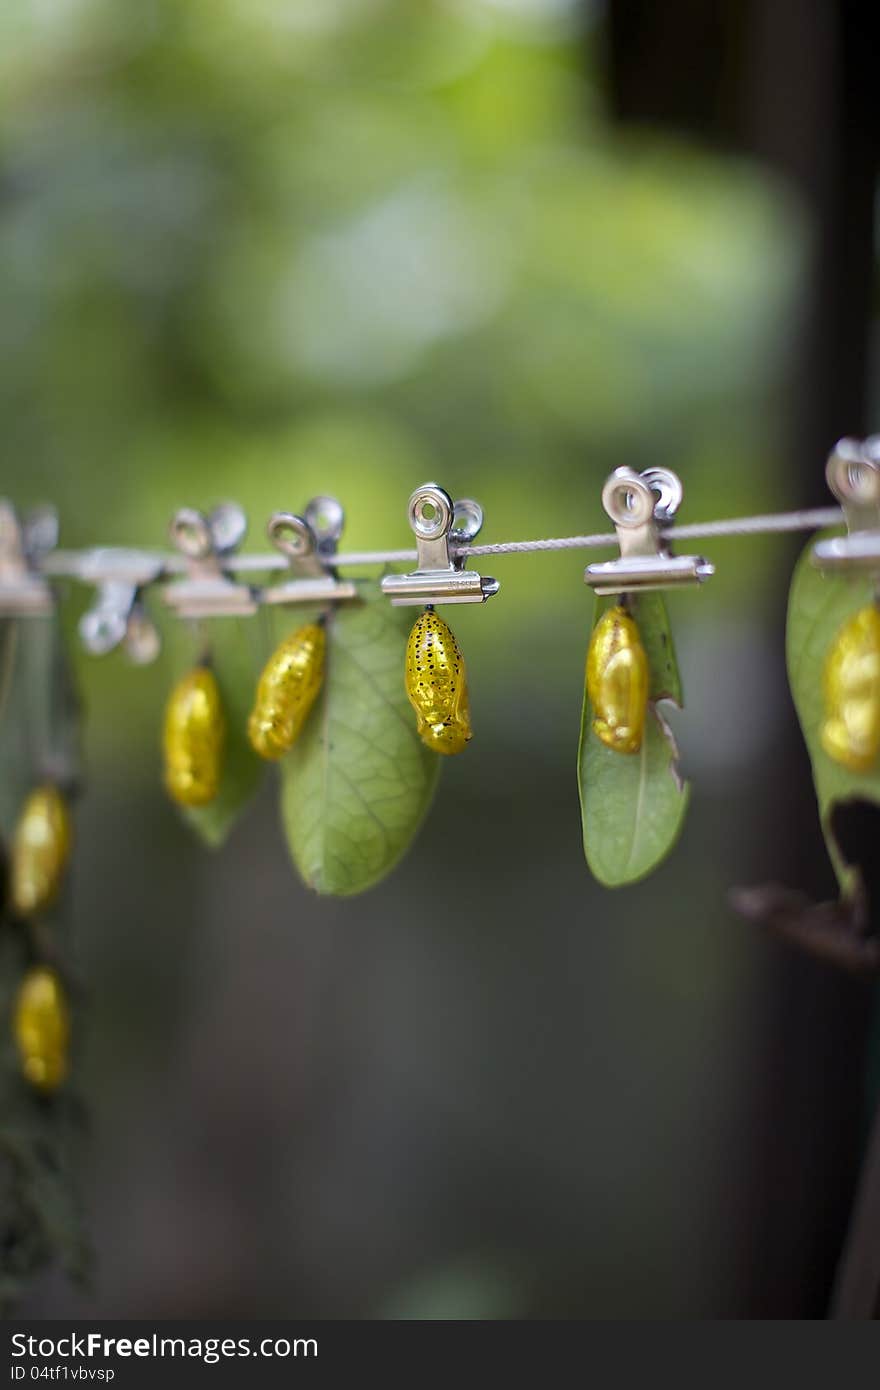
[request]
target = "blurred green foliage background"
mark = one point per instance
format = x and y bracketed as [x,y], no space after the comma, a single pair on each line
[267,248]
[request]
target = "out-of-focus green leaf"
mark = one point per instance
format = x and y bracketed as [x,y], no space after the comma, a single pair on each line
[818,606]
[237,648]
[633,805]
[357,784]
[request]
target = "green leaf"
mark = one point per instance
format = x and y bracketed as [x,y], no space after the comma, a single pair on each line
[358,782]
[633,805]
[238,647]
[818,606]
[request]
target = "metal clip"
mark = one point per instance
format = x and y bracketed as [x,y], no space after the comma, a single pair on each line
[118,615]
[208,544]
[309,543]
[639,504]
[23,590]
[440,577]
[853,475]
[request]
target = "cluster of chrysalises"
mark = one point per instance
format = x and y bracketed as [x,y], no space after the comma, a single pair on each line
[195,724]
[41,846]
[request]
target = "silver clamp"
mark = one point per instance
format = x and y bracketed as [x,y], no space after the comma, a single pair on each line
[441,577]
[309,543]
[24,592]
[639,504]
[208,544]
[118,615]
[853,475]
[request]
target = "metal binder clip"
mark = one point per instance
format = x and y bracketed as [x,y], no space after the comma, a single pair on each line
[309,543]
[853,475]
[208,544]
[440,577]
[23,590]
[118,615]
[639,504]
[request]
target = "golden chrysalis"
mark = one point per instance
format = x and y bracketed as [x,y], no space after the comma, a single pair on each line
[617,681]
[436,684]
[41,846]
[288,687]
[194,739]
[851,687]
[41,1027]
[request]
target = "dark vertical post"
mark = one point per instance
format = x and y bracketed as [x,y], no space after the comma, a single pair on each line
[792,84]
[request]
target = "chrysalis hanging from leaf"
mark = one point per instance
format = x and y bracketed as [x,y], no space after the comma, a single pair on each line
[436,685]
[822,640]
[41,848]
[288,687]
[851,687]
[41,1028]
[617,681]
[194,739]
[632,808]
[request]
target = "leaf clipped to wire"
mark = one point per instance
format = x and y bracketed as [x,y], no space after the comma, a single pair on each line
[633,804]
[818,606]
[357,783]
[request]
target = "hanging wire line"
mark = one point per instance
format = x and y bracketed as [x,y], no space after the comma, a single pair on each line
[77,564]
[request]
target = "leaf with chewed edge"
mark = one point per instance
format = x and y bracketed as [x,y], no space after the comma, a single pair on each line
[818,606]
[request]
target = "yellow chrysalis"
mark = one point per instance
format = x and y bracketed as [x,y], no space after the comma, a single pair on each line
[194,739]
[41,847]
[617,681]
[41,1027]
[851,687]
[287,689]
[436,684]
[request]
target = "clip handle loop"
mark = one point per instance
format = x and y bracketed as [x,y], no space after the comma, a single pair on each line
[309,543]
[638,503]
[440,576]
[206,542]
[853,475]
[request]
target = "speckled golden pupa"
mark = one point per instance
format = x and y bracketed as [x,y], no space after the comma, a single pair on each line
[851,688]
[287,689]
[436,684]
[41,1028]
[617,681]
[194,739]
[41,845]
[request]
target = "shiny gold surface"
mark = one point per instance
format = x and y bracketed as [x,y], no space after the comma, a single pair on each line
[194,739]
[41,1027]
[41,847]
[287,689]
[436,685]
[617,681]
[851,688]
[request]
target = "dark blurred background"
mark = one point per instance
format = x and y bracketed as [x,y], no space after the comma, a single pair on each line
[267,248]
